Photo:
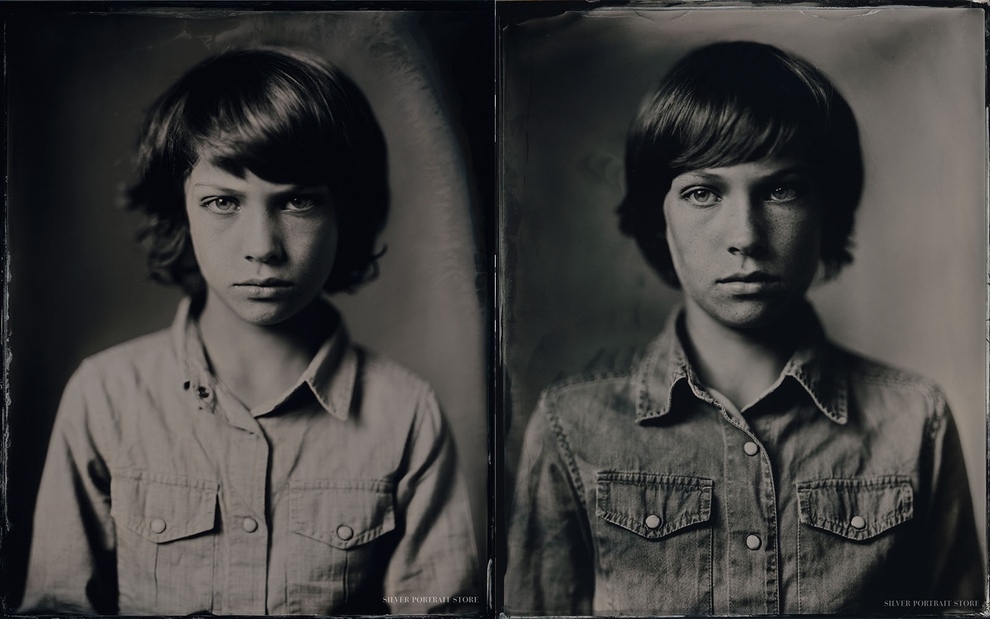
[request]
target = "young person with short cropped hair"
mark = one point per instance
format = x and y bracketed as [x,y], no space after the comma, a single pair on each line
[745,465]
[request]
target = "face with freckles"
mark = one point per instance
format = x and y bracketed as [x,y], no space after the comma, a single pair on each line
[264,249]
[745,240]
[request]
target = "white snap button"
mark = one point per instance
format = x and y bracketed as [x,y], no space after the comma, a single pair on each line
[751,448]
[250,525]
[157,525]
[344,532]
[652,521]
[753,542]
[858,522]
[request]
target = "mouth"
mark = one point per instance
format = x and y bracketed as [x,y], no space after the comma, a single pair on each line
[271,282]
[748,278]
[754,282]
[262,289]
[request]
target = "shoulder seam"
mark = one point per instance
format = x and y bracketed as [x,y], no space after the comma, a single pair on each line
[583,379]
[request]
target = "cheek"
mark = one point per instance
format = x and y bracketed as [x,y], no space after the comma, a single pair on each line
[800,241]
[318,245]
[196,233]
[675,252]
[669,234]
[684,243]
[206,242]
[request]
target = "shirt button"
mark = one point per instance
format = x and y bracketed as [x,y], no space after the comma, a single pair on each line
[157,525]
[250,525]
[751,448]
[344,532]
[858,522]
[753,542]
[652,521]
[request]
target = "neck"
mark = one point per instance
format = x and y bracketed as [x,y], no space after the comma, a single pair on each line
[741,363]
[260,362]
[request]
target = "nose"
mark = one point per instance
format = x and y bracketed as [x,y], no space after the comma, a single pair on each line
[745,227]
[262,237]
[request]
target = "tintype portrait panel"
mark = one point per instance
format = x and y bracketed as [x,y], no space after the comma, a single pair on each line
[80,85]
[611,473]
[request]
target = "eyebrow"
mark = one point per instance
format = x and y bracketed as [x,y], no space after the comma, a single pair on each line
[798,169]
[217,188]
[791,170]
[290,190]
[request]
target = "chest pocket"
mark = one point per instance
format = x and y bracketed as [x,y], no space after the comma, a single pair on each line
[341,542]
[165,542]
[856,509]
[649,525]
[849,539]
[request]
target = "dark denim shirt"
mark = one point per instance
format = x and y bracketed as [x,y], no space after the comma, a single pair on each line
[163,494]
[841,489]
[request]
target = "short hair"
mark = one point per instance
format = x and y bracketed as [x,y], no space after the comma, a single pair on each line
[286,116]
[740,102]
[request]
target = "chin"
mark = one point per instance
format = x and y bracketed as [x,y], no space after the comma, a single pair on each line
[752,314]
[265,314]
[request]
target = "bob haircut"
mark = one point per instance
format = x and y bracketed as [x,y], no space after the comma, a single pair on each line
[733,103]
[287,117]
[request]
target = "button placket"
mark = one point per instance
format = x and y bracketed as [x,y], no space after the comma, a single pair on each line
[249,555]
[750,501]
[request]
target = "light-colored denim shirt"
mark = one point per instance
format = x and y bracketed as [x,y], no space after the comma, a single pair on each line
[841,489]
[163,494]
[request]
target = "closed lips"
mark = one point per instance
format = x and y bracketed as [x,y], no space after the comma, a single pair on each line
[757,276]
[266,283]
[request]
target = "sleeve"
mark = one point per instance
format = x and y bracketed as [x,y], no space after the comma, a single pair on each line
[434,567]
[72,564]
[550,558]
[954,560]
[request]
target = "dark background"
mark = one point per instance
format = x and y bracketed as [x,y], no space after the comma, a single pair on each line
[576,292]
[78,86]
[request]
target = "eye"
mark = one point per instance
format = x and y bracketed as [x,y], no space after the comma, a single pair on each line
[784,193]
[700,196]
[301,203]
[220,204]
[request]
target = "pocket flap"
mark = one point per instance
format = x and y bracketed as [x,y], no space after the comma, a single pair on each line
[342,514]
[856,509]
[653,506]
[163,508]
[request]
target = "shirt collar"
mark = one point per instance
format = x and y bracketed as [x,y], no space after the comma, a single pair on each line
[814,365]
[331,374]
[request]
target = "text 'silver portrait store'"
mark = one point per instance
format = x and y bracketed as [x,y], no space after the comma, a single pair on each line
[495,309]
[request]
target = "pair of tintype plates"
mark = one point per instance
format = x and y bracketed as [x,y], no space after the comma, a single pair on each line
[505,267]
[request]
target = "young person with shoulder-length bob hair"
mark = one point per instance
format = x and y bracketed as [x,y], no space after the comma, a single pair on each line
[284,115]
[251,459]
[745,464]
[740,102]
